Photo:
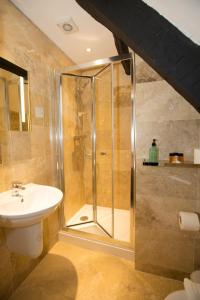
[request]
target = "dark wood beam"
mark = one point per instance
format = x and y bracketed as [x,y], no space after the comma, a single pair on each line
[122,48]
[166,49]
[8,66]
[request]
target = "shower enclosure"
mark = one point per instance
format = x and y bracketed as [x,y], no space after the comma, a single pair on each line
[98,148]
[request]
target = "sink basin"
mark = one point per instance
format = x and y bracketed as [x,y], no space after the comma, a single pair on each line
[34,204]
[22,217]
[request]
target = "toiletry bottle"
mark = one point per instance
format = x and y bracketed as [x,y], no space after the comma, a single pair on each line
[153,152]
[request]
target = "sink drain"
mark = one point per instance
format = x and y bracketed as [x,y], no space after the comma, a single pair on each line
[84,218]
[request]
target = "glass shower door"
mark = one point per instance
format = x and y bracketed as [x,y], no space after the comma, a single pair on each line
[77,131]
[104,149]
[98,140]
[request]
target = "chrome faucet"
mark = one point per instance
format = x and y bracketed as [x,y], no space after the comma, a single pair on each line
[16,187]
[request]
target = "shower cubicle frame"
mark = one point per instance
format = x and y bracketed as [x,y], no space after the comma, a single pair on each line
[59,137]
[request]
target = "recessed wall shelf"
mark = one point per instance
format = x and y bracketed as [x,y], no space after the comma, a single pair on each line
[186,164]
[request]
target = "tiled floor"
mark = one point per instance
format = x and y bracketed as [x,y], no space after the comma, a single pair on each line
[69,272]
[104,217]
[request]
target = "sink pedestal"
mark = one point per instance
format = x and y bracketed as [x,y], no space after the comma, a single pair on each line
[26,240]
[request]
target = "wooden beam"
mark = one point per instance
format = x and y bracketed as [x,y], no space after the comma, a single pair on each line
[122,48]
[166,49]
[8,66]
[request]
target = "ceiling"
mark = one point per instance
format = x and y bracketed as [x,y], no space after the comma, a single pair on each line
[46,14]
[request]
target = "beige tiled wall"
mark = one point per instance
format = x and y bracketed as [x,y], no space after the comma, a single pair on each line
[27,156]
[164,191]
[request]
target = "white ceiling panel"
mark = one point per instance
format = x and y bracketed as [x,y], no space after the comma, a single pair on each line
[46,14]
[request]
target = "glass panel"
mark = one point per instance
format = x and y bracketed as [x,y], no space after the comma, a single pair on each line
[97,120]
[122,152]
[104,197]
[77,132]
[14,104]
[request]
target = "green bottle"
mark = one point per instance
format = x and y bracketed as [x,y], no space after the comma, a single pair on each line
[153,152]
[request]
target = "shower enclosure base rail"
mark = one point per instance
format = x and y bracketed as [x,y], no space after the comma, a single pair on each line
[122,222]
[91,222]
[96,245]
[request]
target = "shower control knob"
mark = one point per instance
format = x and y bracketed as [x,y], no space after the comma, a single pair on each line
[103,153]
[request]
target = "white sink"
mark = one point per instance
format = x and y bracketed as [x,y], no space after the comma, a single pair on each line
[22,216]
[35,203]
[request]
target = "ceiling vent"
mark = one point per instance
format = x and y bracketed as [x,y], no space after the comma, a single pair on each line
[67,25]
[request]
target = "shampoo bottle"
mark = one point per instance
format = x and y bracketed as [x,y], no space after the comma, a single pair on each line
[153,152]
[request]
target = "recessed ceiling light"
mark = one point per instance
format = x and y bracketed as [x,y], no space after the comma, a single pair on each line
[88,49]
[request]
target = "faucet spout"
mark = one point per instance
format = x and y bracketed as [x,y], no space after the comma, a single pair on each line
[16,187]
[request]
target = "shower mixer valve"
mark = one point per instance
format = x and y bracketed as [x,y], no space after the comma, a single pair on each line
[16,187]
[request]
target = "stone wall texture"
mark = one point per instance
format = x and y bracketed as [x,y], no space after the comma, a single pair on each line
[162,192]
[160,113]
[28,156]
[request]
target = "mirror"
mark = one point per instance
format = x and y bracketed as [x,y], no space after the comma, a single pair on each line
[14,97]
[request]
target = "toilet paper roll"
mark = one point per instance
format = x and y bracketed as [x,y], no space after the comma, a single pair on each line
[196,156]
[189,221]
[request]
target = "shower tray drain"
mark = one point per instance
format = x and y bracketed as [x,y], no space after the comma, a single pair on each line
[84,218]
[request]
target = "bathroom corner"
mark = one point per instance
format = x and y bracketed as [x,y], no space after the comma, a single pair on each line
[99,150]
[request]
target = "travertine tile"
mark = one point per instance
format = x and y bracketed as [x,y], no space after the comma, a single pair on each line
[122,160]
[104,115]
[170,253]
[122,186]
[120,78]
[20,146]
[6,273]
[162,212]
[38,145]
[21,267]
[144,72]
[158,101]
[167,182]
[104,139]
[172,136]
[27,156]
[122,97]
[162,192]
[70,272]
